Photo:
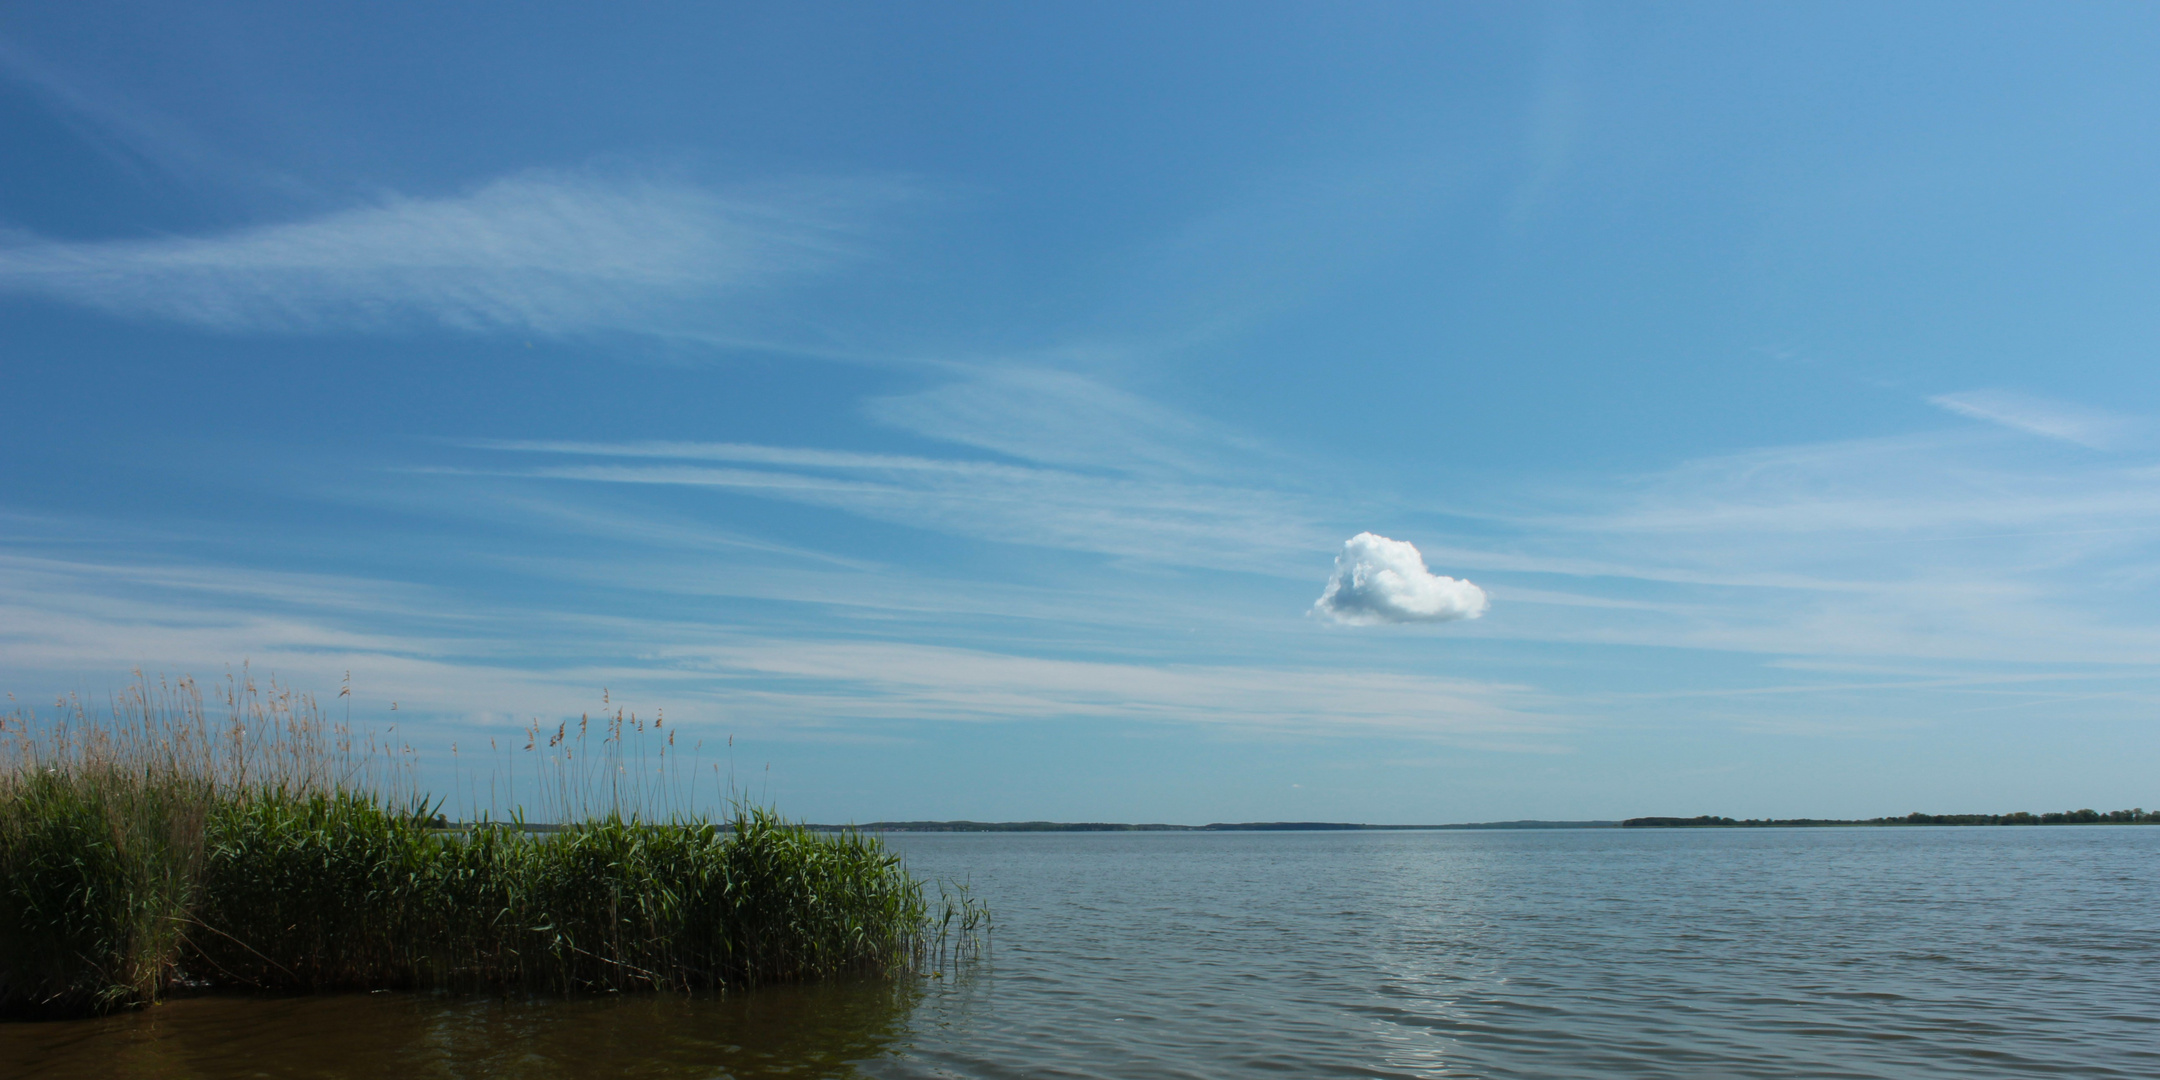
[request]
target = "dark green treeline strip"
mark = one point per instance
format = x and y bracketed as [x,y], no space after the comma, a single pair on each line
[2068,817]
[2138,816]
[1247,826]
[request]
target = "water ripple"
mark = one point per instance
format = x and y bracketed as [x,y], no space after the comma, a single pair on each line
[1583,955]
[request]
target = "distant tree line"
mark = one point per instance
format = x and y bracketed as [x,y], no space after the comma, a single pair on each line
[1220,826]
[2135,816]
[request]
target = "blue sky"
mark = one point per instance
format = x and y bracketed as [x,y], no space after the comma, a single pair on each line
[964,406]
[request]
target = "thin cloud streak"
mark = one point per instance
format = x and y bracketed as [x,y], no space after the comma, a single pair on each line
[544,253]
[1105,472]
[1955,548]
[1879,486]
[751,454]
[2037,416]
[900,681]
[124,131]
[1058,418]
[1187,524]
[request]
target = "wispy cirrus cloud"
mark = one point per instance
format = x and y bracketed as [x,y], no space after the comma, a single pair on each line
[1188,524]
[1913,487]
[538,252]
[2040,416]
[1086,467]
[126,132]
[895,680]
[1955,547]
[1061,418]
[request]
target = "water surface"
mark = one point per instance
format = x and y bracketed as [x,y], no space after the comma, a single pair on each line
[1976,952]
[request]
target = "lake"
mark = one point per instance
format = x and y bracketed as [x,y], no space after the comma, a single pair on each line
[1858,952]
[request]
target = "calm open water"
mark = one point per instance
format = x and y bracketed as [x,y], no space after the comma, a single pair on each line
[1973,952]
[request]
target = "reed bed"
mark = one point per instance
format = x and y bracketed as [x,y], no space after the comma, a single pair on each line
[146,847]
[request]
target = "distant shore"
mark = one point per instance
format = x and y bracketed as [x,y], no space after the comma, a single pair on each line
[2138,816]
[1246,826]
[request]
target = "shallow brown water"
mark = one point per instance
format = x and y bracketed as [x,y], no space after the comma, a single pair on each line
[1836,953]
[788,1032]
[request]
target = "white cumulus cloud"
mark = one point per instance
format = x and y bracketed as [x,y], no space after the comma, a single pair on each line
[1378,580]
